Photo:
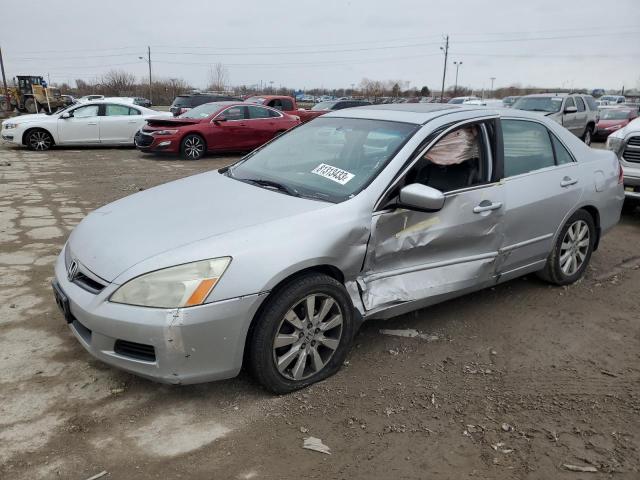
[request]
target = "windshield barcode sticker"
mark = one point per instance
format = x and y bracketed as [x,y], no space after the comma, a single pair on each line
[333,173]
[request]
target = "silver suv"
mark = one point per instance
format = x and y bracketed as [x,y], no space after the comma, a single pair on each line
[577,113]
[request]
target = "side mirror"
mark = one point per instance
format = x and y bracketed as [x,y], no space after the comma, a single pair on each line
[420,197]
[219,120]
[66,115]
[570,110]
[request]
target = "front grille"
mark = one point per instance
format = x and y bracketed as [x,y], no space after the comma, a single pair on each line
[138,351]
[143,139]
[631,155]
[88,284]
[634,141]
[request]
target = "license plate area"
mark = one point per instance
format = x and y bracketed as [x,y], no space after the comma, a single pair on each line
[62,301]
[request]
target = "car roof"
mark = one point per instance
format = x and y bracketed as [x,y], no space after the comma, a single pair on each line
[421,113]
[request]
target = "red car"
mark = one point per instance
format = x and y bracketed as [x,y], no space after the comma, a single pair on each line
[214,127]
[612,119]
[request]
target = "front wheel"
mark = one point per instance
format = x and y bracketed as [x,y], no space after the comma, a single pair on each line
[39,140]
[30,105]
[572,251]
[192,147]
[303,334]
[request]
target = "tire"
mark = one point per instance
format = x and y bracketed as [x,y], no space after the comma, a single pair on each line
[305,355]
[587,137]
[30,105]
[38,139]
[570,258]
[193,147]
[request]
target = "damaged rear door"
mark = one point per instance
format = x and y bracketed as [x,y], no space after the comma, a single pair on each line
[417,258]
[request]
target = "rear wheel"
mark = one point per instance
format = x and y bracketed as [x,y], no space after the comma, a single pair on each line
[39,140]
[588,135]
[303,334]
[572,251]
[193,147]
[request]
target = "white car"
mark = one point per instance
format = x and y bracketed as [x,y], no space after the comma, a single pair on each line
[625,142]
[487,102]
[91,123]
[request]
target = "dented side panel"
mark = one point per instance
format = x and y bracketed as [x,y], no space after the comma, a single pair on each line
[414,255]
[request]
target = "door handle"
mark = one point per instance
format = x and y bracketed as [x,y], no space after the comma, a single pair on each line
[567,181]
[92,123]
[485,208]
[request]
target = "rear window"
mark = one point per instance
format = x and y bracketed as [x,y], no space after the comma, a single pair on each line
[181,102]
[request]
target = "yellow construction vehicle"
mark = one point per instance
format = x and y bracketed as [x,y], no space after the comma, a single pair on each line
[31,94]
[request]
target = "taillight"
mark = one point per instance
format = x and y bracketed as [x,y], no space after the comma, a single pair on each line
[620,174]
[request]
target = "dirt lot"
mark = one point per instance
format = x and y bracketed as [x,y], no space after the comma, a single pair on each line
[512,383]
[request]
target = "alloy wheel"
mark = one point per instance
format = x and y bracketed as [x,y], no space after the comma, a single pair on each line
[307,337]
[574,247]
[193,147]
[587,137]
[40,141]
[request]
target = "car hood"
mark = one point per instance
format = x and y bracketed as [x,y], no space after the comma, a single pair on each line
[34,117]
[611,123]
[119,235]
[170,121]
[631,127]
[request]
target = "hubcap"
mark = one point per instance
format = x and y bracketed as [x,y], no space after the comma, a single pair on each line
[39,141]
[574,248]
[308,336]
[193,147]
[587,138]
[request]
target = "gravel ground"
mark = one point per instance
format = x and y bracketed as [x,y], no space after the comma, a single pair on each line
[509,383]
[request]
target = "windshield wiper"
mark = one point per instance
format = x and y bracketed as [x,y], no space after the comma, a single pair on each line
[271,184]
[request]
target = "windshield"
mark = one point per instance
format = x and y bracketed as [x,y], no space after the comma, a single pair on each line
[611,114]
[323,106]
[539,104]
[203,111]
[456,101]
[330,159]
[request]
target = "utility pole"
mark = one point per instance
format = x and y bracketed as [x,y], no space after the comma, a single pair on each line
[149,61]
[455,88]
[444,72]
[4,82]
[492,80]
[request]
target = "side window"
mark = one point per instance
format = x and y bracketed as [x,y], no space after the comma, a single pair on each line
[287,105]
[116,110]
[527,147]
[562,155]
[84,112]
[580,104]
[591,102]
[234,113]
[134,111]
[456,161]
[569,103]
[276,104]
[274,114]
[258,112]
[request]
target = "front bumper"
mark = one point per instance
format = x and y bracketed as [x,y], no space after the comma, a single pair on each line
[151,143]
[181,346]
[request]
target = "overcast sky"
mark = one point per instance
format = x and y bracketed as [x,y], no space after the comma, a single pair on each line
[330,43]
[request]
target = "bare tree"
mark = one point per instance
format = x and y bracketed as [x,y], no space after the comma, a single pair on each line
[218,77]
[118,82]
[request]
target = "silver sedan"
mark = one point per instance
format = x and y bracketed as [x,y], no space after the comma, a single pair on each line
[364,213]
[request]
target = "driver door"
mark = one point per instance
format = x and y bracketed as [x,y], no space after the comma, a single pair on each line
[229,130]
[81,127]
[417,258]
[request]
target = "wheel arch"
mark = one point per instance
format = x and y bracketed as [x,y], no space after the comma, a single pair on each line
[31,129]
[330,270]
[591,210]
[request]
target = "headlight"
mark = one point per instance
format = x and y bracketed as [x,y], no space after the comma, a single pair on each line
[614,143]
[9,126]
[181,286]
[164,132]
